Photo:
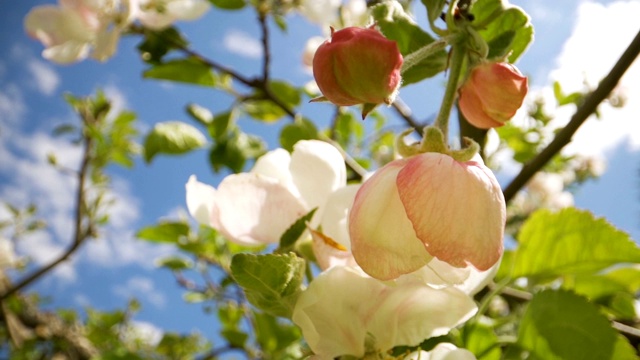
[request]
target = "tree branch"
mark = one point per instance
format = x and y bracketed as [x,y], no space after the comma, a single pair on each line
[587,108]
[81,232]
[405,113]
[266,54]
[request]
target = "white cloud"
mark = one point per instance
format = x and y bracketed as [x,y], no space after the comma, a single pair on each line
[601,34]
[12,108]
[241,43]
[45,78]
[141,288]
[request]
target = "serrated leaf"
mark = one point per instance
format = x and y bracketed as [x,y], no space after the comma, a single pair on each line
[172,137]
[396,25]
[300,129]
[165,232]
[189,70]
[175,263]
[563,325]
[570,241]
[228,4]
[272,282]
[293,233]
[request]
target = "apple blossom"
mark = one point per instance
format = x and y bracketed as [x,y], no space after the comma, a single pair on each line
[358,66]
[492,94]
[345,312]
[257,207]
[159,14]
[425,206]
[76,28]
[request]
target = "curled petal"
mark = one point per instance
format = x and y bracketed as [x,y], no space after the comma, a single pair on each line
[457,209]
[255,209]
[343,308]
[317,169]
[275,164]
[383,241]
[333,220]
[329,253]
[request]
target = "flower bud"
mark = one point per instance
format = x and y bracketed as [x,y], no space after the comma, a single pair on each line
[426,206]
[358,66]
[492,94]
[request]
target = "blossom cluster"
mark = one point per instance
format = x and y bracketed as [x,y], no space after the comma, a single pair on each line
[76,29]
[350,308]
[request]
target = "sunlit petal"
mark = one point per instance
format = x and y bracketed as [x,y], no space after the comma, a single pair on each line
[457,209]
[317,169]
[383,241]
[201,202]
[333,219]
[255,209]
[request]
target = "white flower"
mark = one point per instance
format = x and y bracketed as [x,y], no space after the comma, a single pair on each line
[257,207]
[158,14]
[321,12]
[73,29]
[346,312]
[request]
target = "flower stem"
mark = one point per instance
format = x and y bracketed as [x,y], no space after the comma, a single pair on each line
[424,52]
[455,68]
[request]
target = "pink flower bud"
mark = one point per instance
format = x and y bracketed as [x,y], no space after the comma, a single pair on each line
[358,66]
[426,206]
[492,94]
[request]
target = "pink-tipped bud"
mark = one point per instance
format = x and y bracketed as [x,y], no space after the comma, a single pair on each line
[358,66]
[492,94]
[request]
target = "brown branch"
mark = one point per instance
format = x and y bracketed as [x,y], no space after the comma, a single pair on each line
[405,112]
[266,54]
[587,108]
[81,233]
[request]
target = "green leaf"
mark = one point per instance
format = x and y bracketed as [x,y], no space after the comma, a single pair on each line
[293,233]
[236,338]
[563,325]
[165,232]
[221,123]
[434,8]
[175,263]
[172,137]
[233,151]
[275,336]
[506,29]
[157,44]
[272,282]
[189,70]
[266,110]
[482,341]
[300,129]
[228,4]
[570,241]
[623,350]
[200,114]
[195,297]
[396,25]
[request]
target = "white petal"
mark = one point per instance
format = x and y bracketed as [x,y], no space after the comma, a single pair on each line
[275,164]
[342,308]
[317,169]
[187,9]
[333,219]
[106,44]
[329,253]
[477,279]
[201,202]
[255,209]
[448,351]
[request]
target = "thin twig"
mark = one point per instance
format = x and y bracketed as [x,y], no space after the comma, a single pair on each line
[405,112]
[266,54]
[81,233]
[585,110]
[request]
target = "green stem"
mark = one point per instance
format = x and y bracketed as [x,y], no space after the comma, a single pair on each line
[424,52]
[455,68]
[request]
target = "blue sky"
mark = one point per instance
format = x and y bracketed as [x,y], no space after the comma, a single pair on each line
[568,47]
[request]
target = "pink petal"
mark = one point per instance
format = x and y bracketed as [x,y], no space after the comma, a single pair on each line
[383,241]
[457,209]
[255,209]
[201,202]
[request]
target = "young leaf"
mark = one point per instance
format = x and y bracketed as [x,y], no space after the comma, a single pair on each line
[228,4]
[300,129]
[570,241]
[396,25]
[294,232]
[172,137]
[505,29]
[175,263]
[563,325]
[190,70]
[272,282]
[165,232]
